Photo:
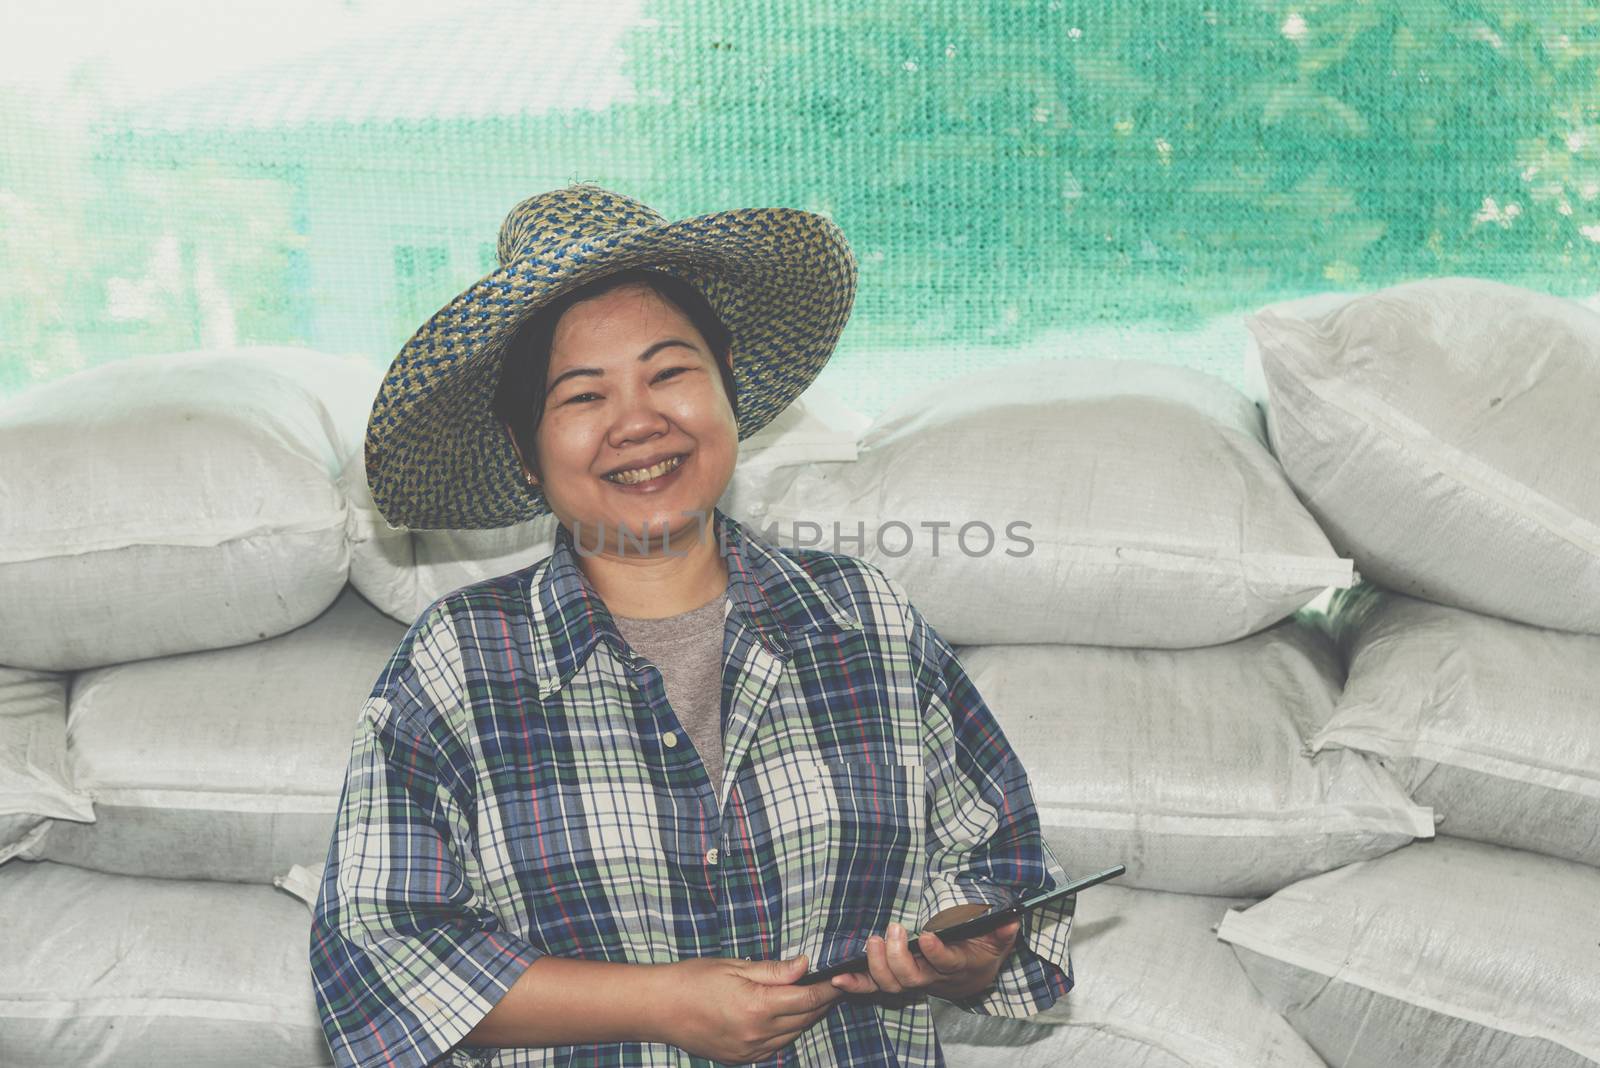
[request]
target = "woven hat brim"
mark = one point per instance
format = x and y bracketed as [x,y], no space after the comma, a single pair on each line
[783,281]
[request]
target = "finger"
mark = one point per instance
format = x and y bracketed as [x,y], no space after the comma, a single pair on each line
[855,983]
[801,1023]
[785,1029]
[878,966]
[1002,938]
[776,972]
[794,1001]
[940,957]
[911,972]
[801,1020]
[794,996]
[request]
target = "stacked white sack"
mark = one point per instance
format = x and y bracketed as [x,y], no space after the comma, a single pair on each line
[1143,656]
[1494,724]
[1444,434]
[402,571]
[1445,428]
[224,764]
[1188,765]
[1184,761]
[1091,502]
[1445,954]
[166,504]
[1158,991]
[35,785]
[105,969]
[1191,766]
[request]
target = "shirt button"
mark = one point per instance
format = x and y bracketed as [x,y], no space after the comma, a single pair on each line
[669,739]
[712,855]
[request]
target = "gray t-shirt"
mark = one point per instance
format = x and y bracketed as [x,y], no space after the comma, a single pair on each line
[687,650]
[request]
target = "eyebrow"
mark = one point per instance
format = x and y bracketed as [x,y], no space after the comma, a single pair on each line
[597,372]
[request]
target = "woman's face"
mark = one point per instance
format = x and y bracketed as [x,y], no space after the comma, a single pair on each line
[632,385]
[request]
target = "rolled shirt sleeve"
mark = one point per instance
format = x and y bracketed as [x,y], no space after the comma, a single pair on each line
[406,957]
[984,841]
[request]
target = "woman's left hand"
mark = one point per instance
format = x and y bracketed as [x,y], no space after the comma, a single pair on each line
[957,970]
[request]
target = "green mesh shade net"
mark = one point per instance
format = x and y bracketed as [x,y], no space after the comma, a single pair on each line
[1029,179]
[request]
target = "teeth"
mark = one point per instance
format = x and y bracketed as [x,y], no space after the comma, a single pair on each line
[645,474]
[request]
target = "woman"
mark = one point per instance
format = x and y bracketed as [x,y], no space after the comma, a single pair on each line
[608,809]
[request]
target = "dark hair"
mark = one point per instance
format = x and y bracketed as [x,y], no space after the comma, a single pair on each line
[525,362]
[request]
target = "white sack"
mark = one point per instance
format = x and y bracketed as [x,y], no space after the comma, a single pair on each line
[224,764]
[1103,502]
[1444,434]
[34,783]
[383,558]
[1445,954]
[1188,765]
[165,504]
[818,428]
[1495,725]
[346,386]
[1255,380]
[303,882]
[1154,989]
[404,571]
[108,970]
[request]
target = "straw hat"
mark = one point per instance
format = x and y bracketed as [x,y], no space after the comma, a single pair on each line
[782,280]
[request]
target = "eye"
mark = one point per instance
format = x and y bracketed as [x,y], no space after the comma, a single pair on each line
[664,373]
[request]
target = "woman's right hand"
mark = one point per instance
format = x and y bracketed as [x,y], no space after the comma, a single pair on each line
[737,1011]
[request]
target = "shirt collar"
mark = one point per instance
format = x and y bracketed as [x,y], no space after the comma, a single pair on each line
[769,591]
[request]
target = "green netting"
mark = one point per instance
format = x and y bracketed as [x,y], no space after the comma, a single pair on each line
[1019,179]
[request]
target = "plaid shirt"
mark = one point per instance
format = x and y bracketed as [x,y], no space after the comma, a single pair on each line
[510,795]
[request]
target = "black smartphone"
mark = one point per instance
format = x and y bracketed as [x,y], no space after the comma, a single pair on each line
[995,917]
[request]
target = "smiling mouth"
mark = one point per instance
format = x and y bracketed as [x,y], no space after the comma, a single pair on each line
[644,474]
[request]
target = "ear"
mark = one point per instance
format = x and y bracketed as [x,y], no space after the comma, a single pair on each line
[533,479]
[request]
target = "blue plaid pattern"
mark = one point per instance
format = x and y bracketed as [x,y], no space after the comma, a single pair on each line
[509,795]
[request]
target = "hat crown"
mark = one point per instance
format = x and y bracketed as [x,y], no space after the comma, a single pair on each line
[563,216]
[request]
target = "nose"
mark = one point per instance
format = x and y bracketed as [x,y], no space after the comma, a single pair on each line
[637,418]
